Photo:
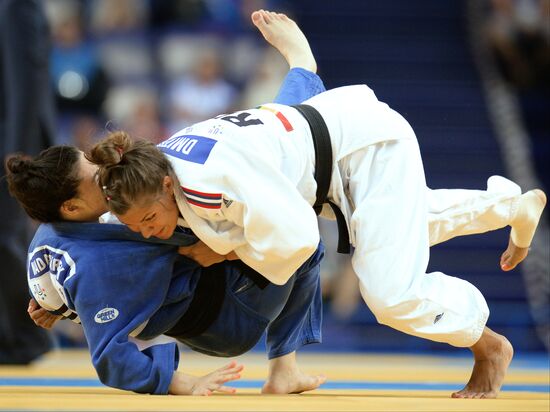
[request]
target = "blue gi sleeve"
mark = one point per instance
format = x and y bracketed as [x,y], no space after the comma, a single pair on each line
[299,85]
[114,296]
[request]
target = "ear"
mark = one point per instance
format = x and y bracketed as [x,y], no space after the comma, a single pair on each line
[168,185]
[69,209]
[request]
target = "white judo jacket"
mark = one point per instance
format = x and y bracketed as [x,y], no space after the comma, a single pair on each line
[246,179]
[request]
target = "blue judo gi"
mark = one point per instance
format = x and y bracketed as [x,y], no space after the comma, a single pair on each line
[118,284]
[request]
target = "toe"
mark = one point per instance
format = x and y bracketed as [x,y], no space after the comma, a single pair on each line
[258,19]
[505,263]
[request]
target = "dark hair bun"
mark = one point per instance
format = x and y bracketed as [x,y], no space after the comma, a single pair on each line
[18,164]
[110,151]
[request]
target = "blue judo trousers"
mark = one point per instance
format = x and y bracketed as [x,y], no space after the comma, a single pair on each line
[119,284]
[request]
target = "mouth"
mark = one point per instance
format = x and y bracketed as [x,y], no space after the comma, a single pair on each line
[162,234]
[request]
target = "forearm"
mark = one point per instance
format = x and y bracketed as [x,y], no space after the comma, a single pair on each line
[205,256]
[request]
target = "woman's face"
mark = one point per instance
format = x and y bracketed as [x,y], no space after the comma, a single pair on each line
[156,217]
[89,202]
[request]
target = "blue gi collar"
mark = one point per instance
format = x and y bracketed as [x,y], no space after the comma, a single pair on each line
[97,231]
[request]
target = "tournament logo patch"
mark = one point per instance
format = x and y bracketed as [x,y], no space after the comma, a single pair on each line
[38,291]
[188,147]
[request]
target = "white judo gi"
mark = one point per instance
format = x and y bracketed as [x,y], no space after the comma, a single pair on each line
[247,186]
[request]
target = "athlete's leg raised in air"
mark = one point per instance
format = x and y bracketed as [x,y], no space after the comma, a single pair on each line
[391,265]
[524,224]
[301,82]
[458,212]
[283,34]
[390,225]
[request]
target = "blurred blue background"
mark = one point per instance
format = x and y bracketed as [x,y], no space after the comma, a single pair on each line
[472,78]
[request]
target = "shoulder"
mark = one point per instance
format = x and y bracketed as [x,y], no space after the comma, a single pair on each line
[193,144]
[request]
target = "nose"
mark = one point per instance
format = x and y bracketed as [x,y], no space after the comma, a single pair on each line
[147,231]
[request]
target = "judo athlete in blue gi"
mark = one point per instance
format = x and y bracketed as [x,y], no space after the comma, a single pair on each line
[117,285]
[60,185]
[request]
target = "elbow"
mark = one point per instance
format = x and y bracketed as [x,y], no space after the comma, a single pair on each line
[106,373]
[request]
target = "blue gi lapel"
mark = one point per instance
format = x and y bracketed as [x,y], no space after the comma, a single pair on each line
[97,231]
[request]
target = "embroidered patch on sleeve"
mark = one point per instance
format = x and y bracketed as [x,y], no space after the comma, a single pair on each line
[188,147]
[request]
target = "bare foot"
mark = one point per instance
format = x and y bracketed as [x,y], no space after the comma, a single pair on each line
[285,377]
[524,225]
[492,355]
[512,256]
[285,35]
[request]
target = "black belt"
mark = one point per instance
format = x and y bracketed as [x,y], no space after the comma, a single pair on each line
[260,281]
[323,170]
[208,299]
[205,305]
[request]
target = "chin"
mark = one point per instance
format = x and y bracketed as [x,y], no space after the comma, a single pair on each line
[165,236]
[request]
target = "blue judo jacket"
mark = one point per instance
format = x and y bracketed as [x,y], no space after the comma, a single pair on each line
[117,286]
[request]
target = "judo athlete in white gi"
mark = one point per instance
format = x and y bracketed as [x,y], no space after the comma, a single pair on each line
[244,183]
[117,285]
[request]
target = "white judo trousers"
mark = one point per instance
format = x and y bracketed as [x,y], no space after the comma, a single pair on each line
[393,219]
[460,212]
